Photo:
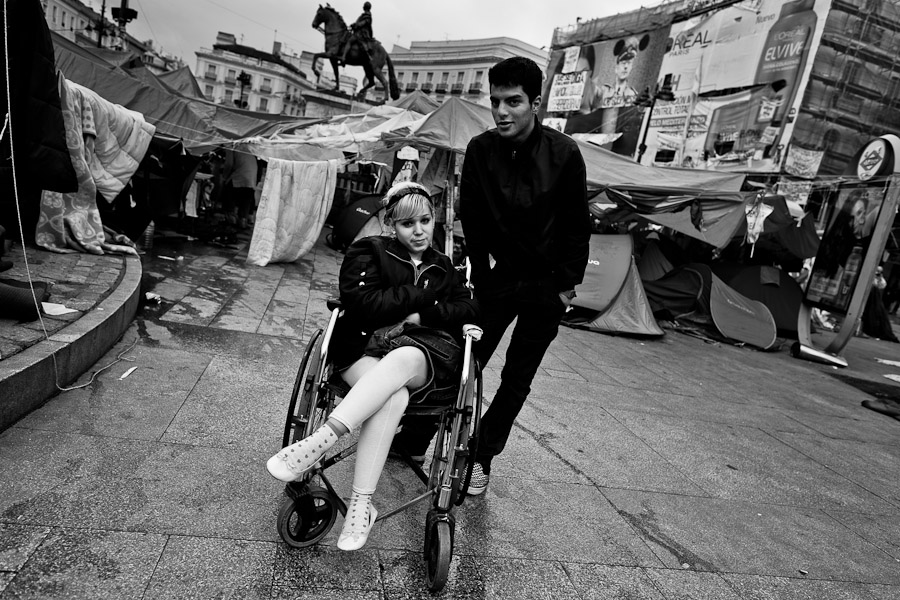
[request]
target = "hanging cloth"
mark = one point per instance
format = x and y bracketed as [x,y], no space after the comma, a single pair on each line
[296,199]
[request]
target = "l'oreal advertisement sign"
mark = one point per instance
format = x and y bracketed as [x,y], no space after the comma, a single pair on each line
[762,49]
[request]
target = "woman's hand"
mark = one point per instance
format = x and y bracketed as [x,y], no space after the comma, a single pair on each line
[414,318]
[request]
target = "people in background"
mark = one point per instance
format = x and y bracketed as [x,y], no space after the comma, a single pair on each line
[876,322]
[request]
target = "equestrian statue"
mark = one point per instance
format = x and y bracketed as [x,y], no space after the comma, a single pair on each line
[354,46]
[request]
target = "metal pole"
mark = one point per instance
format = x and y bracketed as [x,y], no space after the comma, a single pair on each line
[643,146]
[100,25]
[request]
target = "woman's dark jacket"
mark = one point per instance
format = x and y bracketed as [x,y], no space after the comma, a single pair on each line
[526,206]
[380,286]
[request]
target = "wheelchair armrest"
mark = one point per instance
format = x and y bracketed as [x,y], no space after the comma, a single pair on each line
[333,303]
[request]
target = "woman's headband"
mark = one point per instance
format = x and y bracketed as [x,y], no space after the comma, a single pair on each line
[399,190]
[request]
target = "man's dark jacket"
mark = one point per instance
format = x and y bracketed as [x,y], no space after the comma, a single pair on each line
[526,206]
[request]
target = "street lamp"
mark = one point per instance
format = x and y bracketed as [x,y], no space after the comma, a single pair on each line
[648,100]
[244,80]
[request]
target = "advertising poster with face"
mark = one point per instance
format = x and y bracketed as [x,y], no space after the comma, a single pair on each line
[762,47]
[843,247]
[593,91]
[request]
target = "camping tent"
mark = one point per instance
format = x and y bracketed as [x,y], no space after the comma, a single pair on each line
[769,285]
[611,298]
[693,293]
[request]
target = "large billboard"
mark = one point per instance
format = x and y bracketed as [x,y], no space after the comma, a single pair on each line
[591,89]
[738,75]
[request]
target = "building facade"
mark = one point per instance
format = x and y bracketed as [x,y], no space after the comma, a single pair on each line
[278,82]
[79,23]
[455,67]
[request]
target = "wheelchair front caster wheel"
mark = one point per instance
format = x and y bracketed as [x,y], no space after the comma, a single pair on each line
[438,554]
[309,518]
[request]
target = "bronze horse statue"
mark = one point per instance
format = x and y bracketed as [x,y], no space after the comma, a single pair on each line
[336,34]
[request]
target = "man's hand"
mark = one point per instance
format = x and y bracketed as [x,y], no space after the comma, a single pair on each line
[567,297]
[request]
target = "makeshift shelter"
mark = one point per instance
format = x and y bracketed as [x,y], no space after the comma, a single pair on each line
[200,124]
[183,81]
[356,134]
[418,101]
[450,127]
[611,298]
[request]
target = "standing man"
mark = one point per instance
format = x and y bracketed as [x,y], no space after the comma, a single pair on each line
[361,31]
[524,213]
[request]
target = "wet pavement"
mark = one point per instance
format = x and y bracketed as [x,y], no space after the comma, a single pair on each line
[649,469]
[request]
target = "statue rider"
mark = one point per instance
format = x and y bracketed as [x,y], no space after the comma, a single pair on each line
[361,31]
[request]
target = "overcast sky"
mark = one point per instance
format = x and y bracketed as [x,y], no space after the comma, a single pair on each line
[181,27]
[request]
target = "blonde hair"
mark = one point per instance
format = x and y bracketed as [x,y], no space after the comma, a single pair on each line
[408,206]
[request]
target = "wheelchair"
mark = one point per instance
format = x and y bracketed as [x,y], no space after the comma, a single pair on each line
[310,509]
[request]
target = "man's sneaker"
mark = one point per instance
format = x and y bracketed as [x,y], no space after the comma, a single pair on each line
[479,481]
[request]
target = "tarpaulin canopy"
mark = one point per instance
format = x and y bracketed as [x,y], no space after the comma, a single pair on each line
[182,81]
[417,101]
[711,216]
[450,127]
[358,133]
[457,121]
[200,124]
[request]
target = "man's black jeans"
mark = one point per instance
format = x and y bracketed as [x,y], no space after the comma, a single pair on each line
[537,310]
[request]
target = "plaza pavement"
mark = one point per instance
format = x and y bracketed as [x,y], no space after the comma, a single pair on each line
[665,468]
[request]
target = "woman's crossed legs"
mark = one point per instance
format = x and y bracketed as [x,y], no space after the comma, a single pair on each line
[376,402]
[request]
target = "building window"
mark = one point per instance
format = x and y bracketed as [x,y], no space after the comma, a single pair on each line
[445,77]
[460,75]
[263,105]
[230,76]
[266,86]
[210,71]
[54,15]
[229,96]
[415,77]
[208,91]
[429,77]
[399,76]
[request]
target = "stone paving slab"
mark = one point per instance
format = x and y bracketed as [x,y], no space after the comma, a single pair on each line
[612,486]
[79,563]
[78,281]
[752,538]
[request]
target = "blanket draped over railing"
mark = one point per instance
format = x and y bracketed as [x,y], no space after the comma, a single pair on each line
[296,198]
[106,144]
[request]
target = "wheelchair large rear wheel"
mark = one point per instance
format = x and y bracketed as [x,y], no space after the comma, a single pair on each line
[301,416]
[309,518]
[438,551]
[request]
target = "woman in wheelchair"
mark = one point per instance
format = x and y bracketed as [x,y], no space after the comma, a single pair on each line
[397,342]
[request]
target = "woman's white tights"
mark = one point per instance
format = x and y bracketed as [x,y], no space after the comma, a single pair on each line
[376,403]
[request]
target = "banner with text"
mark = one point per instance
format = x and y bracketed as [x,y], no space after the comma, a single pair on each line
[591,89]
[758,50]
